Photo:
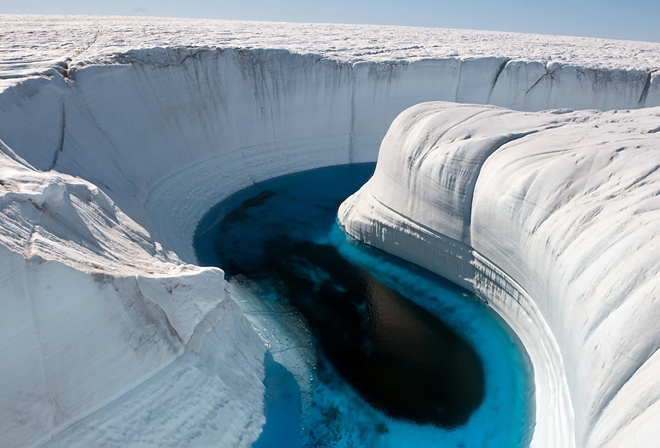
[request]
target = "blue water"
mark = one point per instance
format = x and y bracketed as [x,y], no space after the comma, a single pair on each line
[238,236]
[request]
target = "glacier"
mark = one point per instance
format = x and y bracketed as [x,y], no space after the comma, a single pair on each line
[117,135]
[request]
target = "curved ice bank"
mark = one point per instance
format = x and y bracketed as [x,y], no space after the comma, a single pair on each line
[554,219]
[114,152]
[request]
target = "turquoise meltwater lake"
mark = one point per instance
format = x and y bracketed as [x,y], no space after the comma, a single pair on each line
[366,350]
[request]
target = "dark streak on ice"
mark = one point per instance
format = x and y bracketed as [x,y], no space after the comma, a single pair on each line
[499,71]
[60,146]
[645,91]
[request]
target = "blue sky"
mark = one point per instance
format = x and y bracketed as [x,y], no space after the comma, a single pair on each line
[617,19]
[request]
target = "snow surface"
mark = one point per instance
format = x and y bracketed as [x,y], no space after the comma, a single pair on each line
[118,134]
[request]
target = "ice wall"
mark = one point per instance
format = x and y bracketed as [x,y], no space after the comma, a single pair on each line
[111,160]
[164,132]
[552,218]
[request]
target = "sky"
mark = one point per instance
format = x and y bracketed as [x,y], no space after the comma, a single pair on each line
[615,19]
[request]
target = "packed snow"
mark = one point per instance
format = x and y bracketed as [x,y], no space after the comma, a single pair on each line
[118,134]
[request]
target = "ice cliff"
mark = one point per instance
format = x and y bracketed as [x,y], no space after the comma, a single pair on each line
[119,134]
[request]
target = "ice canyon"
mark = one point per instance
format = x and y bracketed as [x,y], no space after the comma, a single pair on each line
[525,168]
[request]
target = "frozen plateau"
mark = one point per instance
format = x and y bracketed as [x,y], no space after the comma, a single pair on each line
[525,168]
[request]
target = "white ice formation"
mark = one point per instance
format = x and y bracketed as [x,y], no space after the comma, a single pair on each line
[554,219]
[118,134]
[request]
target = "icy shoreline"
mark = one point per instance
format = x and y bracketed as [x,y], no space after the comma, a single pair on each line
[108,134]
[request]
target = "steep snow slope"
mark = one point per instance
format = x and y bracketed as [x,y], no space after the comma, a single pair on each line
[164,118]
[554,219]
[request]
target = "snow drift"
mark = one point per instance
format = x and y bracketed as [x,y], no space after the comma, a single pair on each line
[115,147]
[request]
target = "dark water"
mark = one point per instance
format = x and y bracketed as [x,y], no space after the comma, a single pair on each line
[396,355]
[417,365]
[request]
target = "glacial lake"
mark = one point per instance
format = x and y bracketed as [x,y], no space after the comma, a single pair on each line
[366,350]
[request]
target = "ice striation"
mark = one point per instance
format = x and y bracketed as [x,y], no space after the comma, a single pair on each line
[118,134]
